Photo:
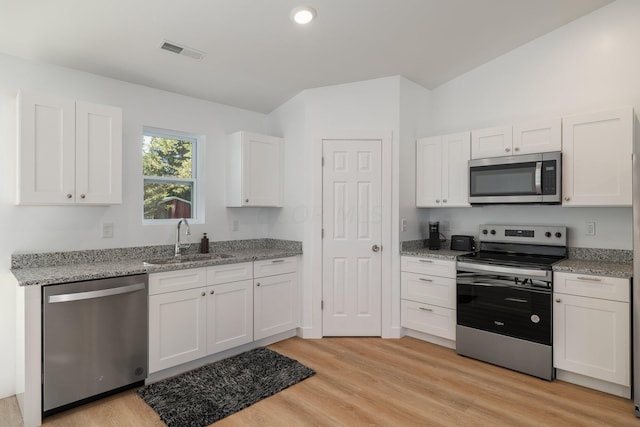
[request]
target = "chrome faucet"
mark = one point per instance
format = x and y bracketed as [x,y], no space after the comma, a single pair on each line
[180,245]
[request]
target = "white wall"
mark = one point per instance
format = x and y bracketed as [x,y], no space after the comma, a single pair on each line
[416,121]
[589,64]
[28,228]
[371,106]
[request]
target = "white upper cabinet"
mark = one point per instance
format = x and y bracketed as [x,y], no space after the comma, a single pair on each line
[596,158]
[68,152]
[442,173]
[254,170]
[491,142]
[538,136]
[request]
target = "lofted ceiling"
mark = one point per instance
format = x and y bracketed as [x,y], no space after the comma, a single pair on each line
[257,59]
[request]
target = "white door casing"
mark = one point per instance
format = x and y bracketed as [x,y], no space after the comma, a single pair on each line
[352,243]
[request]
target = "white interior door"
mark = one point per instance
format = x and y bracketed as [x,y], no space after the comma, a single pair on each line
[352,229]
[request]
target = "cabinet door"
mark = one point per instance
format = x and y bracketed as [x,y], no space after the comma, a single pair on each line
[456,150]
[272,267]
[429,319]
[177,280]
[229,315]
[177,328]
[491,142]
[537,136]
[428,266]
[98,154]
[275,305]
[429,172]
[434,290]
[596,158]
[254,175]
[592,337]
[46,150]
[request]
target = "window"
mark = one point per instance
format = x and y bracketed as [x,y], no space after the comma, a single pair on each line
[170,174]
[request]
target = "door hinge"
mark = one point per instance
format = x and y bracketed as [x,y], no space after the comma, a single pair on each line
[321,305]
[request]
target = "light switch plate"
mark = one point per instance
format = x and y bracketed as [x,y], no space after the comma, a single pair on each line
[590,228]
[107,230]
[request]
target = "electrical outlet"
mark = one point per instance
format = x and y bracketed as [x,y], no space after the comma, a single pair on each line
[107,230]
[403,224]
[590,228]
[236,225]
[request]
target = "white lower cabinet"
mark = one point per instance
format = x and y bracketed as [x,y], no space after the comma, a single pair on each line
[428,296]
[177,328]
[197,312]
[275,297]
[592,331]
[229,315]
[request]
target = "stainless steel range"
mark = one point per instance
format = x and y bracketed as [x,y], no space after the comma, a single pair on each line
[504,297]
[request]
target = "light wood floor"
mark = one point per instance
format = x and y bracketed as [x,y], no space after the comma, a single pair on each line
[375,382]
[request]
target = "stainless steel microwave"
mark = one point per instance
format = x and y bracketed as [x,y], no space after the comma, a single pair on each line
[528,178]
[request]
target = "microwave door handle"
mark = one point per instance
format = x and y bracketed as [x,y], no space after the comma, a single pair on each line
[538,178]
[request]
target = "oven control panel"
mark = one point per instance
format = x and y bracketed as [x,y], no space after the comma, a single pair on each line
[534,234]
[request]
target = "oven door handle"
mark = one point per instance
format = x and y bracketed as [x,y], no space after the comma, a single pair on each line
[538,178]
[501,269]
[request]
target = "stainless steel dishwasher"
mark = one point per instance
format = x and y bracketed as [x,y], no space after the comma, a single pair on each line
[94,339]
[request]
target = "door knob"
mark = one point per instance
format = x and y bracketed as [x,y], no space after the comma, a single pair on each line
[375,248]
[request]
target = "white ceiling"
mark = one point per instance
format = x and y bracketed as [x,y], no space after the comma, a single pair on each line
[257,58]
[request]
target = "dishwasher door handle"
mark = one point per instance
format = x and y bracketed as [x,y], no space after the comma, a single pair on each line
[79,296]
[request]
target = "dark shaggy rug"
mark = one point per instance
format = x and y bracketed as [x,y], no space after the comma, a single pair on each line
[205,395]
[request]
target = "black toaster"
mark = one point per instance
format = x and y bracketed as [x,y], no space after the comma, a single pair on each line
[463,243]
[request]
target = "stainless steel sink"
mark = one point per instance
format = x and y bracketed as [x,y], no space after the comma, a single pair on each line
[186,258]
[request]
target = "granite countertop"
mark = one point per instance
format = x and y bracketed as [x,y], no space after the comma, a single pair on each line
[594,261]
[416,248]
[447,254]
[595,267]
[99,268]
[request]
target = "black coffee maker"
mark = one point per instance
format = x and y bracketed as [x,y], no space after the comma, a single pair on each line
[434,235]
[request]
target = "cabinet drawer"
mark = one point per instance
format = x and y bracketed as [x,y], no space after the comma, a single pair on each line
[271,267]
[435,290]
[429,266]
[229,273]
[611,288]
[179,280]
[429,319]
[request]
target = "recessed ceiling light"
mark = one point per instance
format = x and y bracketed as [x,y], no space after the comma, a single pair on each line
[303,14]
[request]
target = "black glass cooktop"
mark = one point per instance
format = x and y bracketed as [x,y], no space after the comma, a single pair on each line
[511,259]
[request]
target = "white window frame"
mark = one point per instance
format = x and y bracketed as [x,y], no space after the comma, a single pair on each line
[197,174]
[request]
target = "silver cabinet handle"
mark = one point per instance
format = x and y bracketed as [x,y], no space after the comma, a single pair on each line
[444,200]
[516,149]
[258,284]
[558,300]
[590,279]
[69,195]
[507,149]
[275,261]
[425,309]
[566,199]
[82,196]
[425,280]
[204,293]
[212,292]
[375,248]
[246,200]
[437,201]
[79,296]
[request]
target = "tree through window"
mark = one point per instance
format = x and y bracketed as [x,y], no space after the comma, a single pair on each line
[168,167]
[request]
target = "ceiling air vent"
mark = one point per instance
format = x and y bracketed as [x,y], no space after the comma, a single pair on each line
[182,50]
